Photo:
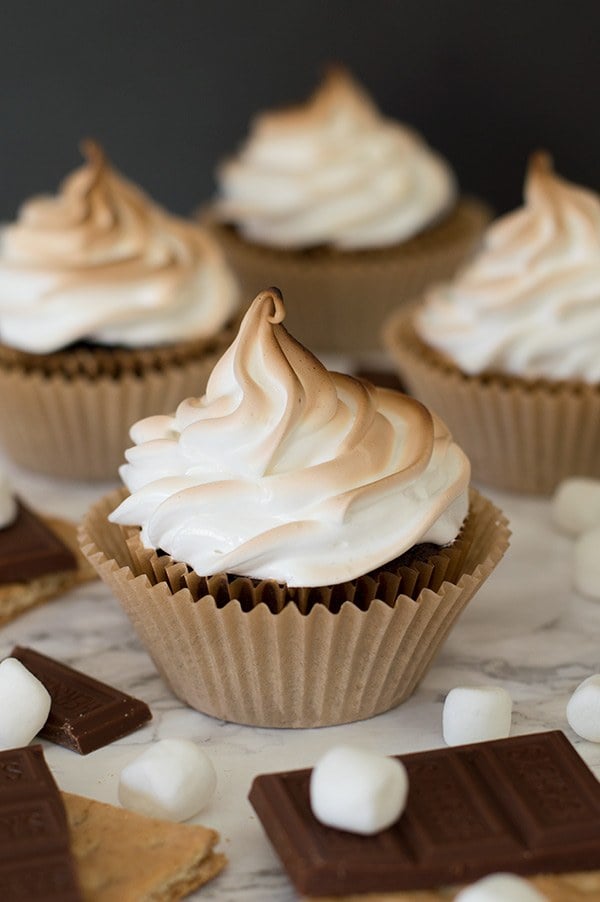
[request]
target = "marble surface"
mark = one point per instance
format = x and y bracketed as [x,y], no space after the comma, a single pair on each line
[526,630]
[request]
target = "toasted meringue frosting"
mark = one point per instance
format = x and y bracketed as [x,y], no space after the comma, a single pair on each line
[8,503]
[529,303]
[100,261]
[334,172]
[286,471]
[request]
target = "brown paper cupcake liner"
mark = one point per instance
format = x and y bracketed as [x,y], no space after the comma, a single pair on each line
[93,361]
[69,414]
[247,653]
[520,435]
[336,300]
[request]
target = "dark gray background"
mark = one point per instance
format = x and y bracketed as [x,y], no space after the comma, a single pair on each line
[170,85]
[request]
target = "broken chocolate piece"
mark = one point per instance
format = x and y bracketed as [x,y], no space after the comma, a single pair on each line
[527,804]
[29,549]
[35,857]
[85,714]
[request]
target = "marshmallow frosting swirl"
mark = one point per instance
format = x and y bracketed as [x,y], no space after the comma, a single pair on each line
[100,261]
[284,470]
[529,303]
[335,172]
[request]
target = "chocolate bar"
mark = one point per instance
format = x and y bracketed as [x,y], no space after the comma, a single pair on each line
[35,860]
[85,714]
[527,804]
[29,549]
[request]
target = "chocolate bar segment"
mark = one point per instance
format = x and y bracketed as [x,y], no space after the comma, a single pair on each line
[35,859]
[85,714]
[527,804]
[29,549]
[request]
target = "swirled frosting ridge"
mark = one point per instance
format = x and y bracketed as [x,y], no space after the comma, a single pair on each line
[284,470]
[101,262]
[335,172]
[529,302]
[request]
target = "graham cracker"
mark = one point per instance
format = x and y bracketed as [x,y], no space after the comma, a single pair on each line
[125,857]
[17,598]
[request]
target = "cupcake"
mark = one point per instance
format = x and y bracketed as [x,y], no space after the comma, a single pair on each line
[110,309]
[349,212]
[509,351]
[292,547]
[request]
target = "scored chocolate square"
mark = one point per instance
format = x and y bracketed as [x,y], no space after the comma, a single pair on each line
[35,857]
[527,804]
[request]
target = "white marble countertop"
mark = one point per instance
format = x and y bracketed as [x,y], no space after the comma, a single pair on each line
[526,630]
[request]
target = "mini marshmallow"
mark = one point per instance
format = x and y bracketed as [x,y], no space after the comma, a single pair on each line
[500,888]
[576,505]
[475,714]
[24,704]
[173,779]
[583,709]
[586,567]
[356,790]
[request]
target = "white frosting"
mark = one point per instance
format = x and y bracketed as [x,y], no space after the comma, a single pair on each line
[529,303]
[8,503]
[100,261]
[336,172]
[283,470]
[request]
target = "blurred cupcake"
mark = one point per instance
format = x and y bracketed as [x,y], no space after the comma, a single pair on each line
[349,212]
[509,352]
[110,309]
[295,544]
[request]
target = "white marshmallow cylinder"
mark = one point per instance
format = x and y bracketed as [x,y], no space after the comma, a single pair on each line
[583,709]
[476,714]
[24,704]
[500,888]
[576,505]
[586,563]
[357,790]
[174,779]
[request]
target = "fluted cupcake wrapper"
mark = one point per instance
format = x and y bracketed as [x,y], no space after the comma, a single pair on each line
[337,300]
[520,435]
[261,660]
[69,414]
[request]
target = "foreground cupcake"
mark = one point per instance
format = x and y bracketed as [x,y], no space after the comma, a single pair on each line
[298,561]
[110,309]
[348,211]
[509,352]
